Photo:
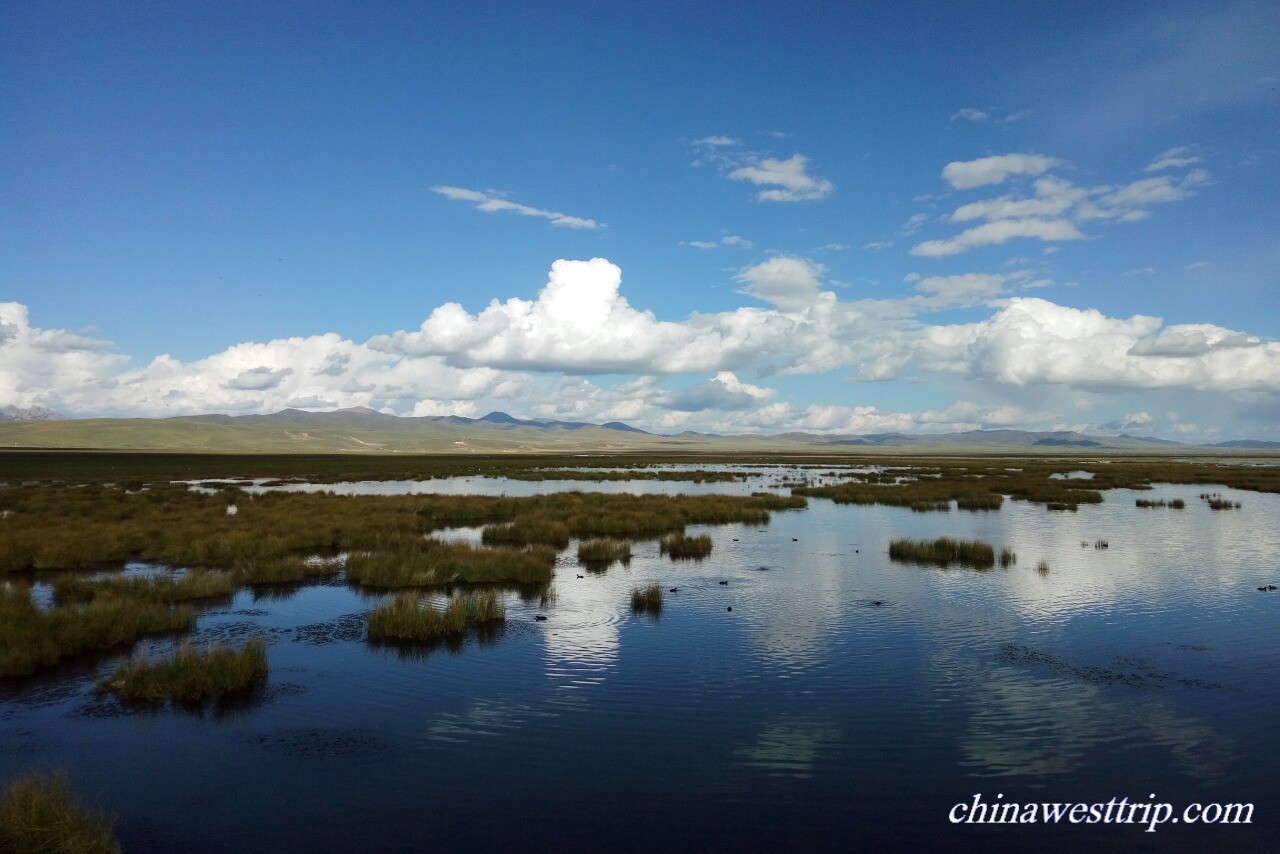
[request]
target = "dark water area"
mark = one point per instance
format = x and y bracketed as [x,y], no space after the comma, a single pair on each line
[845,702]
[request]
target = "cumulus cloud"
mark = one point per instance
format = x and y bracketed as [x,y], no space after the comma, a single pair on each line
[787,180]
[968,174]
[533,355]
[724,391]
[1031,341]
[490,202]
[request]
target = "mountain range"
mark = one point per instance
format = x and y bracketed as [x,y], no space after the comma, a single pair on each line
[363,430]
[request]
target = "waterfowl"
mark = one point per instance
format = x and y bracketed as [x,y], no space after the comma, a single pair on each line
[724,582]
[730,608]
[580,576]
[539,618]
[674,590]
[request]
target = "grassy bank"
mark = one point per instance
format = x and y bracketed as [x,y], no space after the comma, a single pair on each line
[406,617]
[191,675]
[39,813]
[434,562]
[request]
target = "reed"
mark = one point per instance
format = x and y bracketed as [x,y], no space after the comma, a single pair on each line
[406,617]
[528,530]
[685,547]
[943,551]
[39,813]
[191,675]
[1008,557]
[646,600]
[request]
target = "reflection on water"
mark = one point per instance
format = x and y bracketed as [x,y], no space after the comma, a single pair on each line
[842,697]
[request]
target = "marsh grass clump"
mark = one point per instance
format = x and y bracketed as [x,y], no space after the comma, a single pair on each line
[192,585]
[598,554]
[646,600]
[1101,544]
[944,551]
[406,617]
[1043,567]
[1217,502]
[1149,503]
[32,638]
[39,813]
[527,530]
[433,562]
[1008,557]
[685,547]
[284,570]
[191,675]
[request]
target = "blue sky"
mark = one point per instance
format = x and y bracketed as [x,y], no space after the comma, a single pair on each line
[841,217]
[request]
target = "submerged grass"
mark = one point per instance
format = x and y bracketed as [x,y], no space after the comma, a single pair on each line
[191,675]
[685,547]
[32,638]
[406,617]
[945,551]
[39,813]
[601,553]
[646,600]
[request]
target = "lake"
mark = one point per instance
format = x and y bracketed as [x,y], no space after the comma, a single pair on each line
[846,701]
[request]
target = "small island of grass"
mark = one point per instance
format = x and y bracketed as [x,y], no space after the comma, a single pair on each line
[191,675]
[406,617]
[944,551]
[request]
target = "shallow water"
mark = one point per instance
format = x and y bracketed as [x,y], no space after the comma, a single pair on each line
[845,701]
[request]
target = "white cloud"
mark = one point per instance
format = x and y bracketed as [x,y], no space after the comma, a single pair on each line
[783,281]
[964,289]
[877,245]
[1054,209]
[970,114]
[1174,158]
[531,356]
[717,141]
[968,174]
[789,179]
[913,223]
[492,203]
[1015,117]
[999,231]
[728,240]
[1033,341]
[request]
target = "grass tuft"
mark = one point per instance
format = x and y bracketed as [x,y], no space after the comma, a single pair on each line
[685,547]
[1008,557]
[944,551]
[39,813]
[600,553]
[191,675]
[406,617]
[646,600]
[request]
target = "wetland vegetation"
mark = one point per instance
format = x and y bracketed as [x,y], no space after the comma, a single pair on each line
[408,617]
[39,813]
[191,675]
[945,551]
[647,599]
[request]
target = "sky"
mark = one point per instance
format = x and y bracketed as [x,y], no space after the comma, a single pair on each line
[750,217]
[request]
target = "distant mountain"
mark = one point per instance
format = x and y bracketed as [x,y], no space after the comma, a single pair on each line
[35,413]
[363,430]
